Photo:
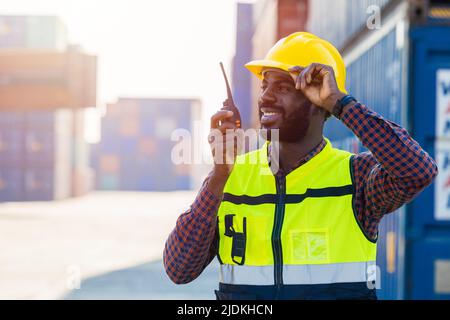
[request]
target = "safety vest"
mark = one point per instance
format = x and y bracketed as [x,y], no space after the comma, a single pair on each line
[293,231]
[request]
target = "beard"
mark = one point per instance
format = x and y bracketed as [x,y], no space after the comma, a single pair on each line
[294,127]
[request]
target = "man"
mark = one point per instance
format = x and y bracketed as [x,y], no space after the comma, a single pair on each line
[309,230]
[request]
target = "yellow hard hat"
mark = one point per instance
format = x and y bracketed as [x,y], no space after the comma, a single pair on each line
[301,49]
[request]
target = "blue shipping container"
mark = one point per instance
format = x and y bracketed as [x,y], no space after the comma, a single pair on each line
[241,78]
[12,148]
[145,155]
[12,184]
[404,74]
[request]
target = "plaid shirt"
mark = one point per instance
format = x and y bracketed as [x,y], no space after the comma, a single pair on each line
[394,171]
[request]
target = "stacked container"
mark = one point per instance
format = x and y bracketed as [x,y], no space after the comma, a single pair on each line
[44,86]
[32,32]
[82,175]
[401,69]
[135,152]
[12,156]
[272,20]
[35,155]
[241,78]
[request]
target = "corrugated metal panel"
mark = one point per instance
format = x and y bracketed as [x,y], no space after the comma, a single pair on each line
[413,255]
[350,16]
[378,71]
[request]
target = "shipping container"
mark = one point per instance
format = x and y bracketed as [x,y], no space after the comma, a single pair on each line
[13,32]
[46,79]
[83,180]
[354,16]
[32,32]
[35,150]
[241,78]
[12,147]
[108,181]
[12,186]
[273,19]
[402,71]
[136,145]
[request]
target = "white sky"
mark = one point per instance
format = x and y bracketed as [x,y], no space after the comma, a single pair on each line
[149,48]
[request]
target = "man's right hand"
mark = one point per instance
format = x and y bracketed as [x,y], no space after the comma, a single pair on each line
[224,145]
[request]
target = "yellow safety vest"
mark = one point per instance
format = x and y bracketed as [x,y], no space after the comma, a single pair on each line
[298,229]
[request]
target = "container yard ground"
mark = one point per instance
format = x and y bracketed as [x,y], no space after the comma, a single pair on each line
[113,239]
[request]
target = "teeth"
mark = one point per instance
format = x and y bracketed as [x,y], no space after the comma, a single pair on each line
[269,113]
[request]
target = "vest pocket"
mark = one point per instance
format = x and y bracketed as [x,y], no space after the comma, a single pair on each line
[239,239]
[309,246]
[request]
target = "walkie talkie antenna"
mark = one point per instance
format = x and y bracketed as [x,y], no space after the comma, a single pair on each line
[228,104]
[230,96]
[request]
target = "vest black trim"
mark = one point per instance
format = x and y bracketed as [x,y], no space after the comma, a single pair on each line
[332,291]
[290,198]
[217,241]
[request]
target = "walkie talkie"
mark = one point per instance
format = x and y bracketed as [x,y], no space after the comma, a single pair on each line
[228,104]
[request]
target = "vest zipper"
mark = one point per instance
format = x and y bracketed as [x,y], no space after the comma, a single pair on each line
[276,233]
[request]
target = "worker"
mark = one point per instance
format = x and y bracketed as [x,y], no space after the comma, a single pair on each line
[309,230]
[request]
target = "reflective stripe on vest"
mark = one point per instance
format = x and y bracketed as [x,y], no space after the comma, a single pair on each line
[298,229]
[299,274]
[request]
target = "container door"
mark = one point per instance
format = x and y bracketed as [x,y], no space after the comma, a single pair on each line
[428,218]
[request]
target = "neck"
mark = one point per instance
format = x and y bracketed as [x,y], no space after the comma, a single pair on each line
[292,152]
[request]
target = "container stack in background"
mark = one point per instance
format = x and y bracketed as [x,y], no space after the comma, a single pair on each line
[135,149]
[401,69]
[241,78]
[32,32]
[44,87]
[35,155]
[272,20]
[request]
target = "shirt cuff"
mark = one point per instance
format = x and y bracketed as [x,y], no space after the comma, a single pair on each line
[349,112]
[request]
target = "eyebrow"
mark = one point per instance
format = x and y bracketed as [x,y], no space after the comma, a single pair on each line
[279,81]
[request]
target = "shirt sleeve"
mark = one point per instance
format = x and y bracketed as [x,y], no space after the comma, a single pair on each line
[191,246]
[394,171]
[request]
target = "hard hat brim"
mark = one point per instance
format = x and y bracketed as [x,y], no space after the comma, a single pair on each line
[256,67]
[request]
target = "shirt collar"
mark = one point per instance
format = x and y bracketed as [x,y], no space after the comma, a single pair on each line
[301,161]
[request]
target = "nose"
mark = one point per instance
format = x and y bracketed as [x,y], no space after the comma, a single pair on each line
[267,96]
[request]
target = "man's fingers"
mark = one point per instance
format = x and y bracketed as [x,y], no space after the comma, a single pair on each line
[295,73]
[220,116]
[295,69]
[226,126]
[301,84]
[225,131]
[312,72]
[313,75]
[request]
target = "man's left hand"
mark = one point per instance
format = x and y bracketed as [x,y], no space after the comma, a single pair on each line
[318,84]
